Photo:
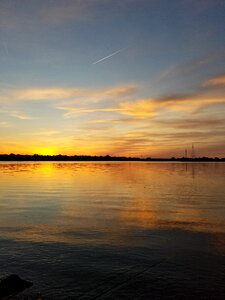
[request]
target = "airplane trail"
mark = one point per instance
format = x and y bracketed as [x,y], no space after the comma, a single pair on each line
[108,56]
[5,46]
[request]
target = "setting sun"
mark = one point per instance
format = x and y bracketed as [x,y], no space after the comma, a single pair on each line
[45,151]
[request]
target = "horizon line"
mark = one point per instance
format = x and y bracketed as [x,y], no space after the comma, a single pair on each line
[107,156]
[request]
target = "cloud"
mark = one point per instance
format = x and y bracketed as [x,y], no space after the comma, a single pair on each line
[34,94]
[74,111]
[156,142]
[124,120]
[120,99]
[148,108]
[215,81]
[140,109]
[64,93]
[17,114]
[46,133]
[5,124]
[191,67]
[190,103]
[186,123]
[116,120]
[20,115]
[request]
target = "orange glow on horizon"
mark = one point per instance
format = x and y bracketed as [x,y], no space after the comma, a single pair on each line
[45,151]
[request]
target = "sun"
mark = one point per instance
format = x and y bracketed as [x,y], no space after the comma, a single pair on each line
[45,151]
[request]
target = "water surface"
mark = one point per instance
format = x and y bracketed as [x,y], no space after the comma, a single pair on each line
[111,230]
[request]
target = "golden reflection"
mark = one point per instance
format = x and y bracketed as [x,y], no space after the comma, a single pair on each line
[140,213]
[104,202]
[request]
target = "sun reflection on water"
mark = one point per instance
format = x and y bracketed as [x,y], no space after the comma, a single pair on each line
[103,203]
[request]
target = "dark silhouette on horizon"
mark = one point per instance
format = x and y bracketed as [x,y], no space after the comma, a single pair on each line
[59,157]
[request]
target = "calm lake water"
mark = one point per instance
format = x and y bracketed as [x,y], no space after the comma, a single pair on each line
[114,230]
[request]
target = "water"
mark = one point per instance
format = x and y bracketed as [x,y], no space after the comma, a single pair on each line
[114,230]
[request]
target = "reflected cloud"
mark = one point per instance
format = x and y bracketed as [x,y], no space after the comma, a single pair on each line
[144,196]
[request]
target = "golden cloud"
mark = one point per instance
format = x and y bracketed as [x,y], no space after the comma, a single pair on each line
[216,81]
[17,114]
[123,97]
[141,108]
[64,93]
[20,115]
[138,109]
[147,108]
[118,122]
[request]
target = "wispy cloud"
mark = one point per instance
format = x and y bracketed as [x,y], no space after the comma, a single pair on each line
[192,66]
[216,81]
[190,103]
[148,108]
[20,115]
[114,119]
[67,93]
[197,122]
[46,133]
[5,124]
[140,108]
[17,114]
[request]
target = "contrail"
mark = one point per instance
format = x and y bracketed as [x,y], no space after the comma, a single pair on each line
[108,56]
[5,46]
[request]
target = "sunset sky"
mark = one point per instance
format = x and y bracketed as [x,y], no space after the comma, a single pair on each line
[117,77]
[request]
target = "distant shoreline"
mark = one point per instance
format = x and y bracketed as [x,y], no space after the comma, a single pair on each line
[36,157]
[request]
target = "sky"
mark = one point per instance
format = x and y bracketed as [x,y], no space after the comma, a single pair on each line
[112,77]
